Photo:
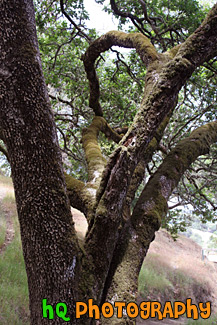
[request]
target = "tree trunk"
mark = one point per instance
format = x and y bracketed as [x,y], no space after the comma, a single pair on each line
[49,243]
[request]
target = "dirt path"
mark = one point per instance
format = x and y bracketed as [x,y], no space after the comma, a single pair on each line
[9,234]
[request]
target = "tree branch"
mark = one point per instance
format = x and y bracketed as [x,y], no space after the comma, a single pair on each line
[201,46]
[95,160]
[164,79]
[139,172]
[138,41]
[169,173]
[73,23]
[79,194]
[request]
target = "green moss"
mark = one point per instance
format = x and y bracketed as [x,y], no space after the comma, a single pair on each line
[94,157]
[172,52]
[141,43]
[73,184]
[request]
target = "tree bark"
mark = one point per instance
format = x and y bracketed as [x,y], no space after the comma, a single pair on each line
[49,242]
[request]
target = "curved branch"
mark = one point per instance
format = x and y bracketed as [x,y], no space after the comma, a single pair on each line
[137,22]
[124,14]
[138,41]
[163,182]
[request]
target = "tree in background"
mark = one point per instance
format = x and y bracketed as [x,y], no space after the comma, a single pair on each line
[121,223]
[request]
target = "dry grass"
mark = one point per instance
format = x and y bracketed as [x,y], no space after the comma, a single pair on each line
[177,271]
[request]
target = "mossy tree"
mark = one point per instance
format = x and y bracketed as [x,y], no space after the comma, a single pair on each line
[59,267]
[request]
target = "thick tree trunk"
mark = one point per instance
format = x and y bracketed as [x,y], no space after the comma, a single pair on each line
[48,237]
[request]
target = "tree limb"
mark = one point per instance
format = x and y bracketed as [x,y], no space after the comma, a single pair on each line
[202,44]
[80,195]
[138,41]
[95,160]
[73,23]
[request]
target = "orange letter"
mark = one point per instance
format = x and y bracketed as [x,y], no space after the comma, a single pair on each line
[168,310]
[145,307]
[79,312]
[156,309]
[107,310]
[207,310]
[132,310]
[121,305]
[93,307]
[190,308]
[177,311]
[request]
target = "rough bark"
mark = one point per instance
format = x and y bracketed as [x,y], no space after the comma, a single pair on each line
[139,172]
[49,243]
[111,196]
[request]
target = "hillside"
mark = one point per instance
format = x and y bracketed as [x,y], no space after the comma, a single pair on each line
[175,271]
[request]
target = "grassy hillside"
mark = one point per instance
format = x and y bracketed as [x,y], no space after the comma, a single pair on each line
[174,271]
[13,281]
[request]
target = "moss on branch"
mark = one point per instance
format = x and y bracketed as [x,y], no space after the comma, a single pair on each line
[201,46]
[141,43]
[139,172]
[95,160]
[79,195]
[152,204]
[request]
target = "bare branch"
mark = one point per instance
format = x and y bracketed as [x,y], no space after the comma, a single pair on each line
[73,23]
[64,101]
